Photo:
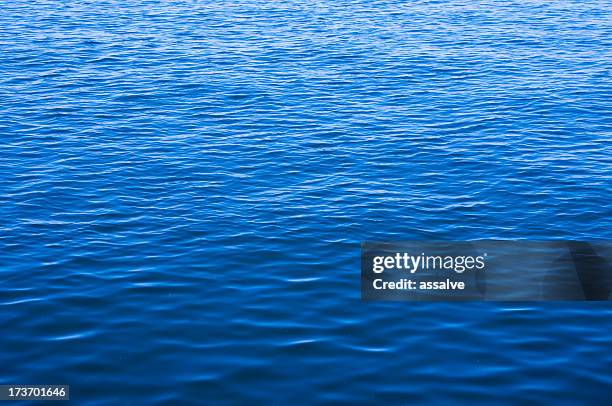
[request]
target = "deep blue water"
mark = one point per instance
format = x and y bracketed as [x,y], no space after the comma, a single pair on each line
[184,186]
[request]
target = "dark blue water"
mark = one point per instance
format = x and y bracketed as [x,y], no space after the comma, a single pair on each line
[184,186]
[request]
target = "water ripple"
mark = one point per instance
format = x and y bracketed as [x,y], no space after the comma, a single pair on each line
[184,187]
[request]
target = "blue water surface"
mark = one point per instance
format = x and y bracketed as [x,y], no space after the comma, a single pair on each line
[184,186]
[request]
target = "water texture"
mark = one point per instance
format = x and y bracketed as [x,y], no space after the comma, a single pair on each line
[184,186]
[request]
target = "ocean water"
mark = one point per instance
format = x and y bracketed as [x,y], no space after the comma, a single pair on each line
[184,186]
